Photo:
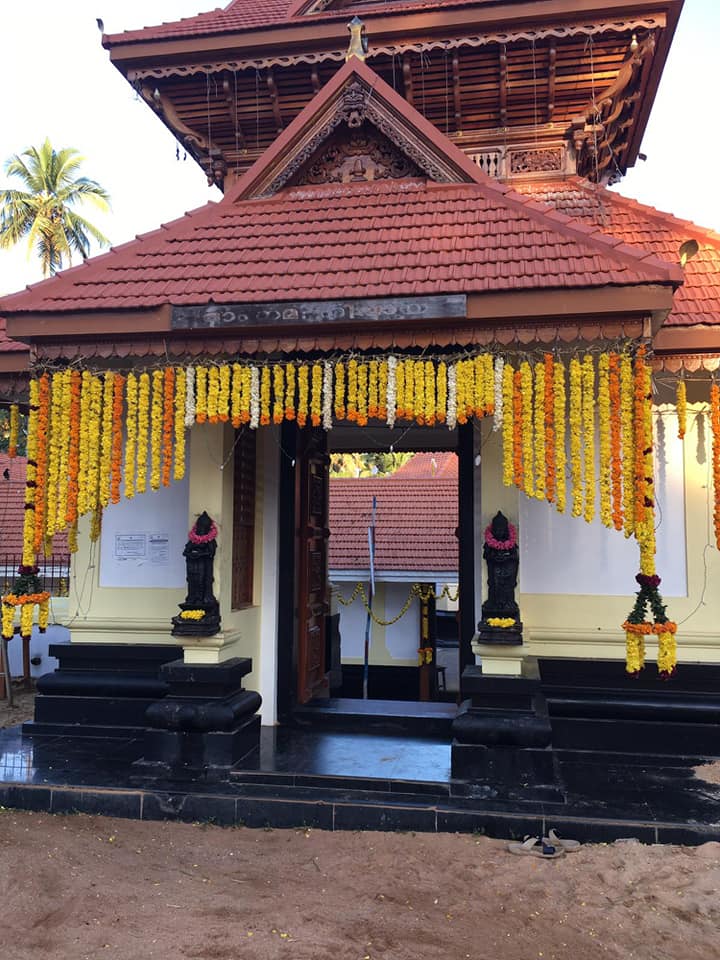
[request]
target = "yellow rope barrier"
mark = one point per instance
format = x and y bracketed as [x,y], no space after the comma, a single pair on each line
[416,590]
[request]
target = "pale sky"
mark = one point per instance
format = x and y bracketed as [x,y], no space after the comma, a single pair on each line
[57,81]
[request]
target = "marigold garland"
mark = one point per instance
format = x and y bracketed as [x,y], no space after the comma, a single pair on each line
[559,416]
[143,431]
[213,394]
[441,392]
[615,440]
[28,552]
[279,399]
[64,444]
[409,411]
[627,405]
[399,390]
[517,424]
[55,453]
[201,394]
[117,438]
[41,470]
[290,385]
[575,422]
[14,430]
[526,392]
[303,394]
[508,429]
[84,451]
[73,460]
[382,390]
[463,392]
[106,439]
[539,413]
[604,436]
[419,393]
[316,382]
[265,396]
[156,428]
[352,387]
[223,401]
[131,433]
[681,403]
[430,416]
[373,390]
[236,395]
[179,424]
[549,423]
[588,415]
[169,423]
[715,424]
[339,390]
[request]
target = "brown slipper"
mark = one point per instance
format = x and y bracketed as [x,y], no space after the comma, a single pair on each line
[569,846]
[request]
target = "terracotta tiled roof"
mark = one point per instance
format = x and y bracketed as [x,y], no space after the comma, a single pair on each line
[243,15]
[12,509]
[644,227]
[358,240]
[429,466]
[414,530]
[7,345]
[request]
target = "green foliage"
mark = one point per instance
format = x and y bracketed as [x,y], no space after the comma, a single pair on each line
[366,464]
[43,211]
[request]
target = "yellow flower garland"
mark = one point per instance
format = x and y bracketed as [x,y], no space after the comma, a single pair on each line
[84,446]
[54,452]
[373,390]
[588,408]
[143,430]
[213,394]
[628,443]
[201,394]
[575,421]
[605,450]
[430,391]
[290,381]
[382,389]
[409,366]
[419,379]
[223,401]
[540,462]
[279,404]
[180,399]
[106,438]
[681,402]
[265,396]
[28,554]
[340,390]
[156,427]
[64,449]
[508,376]
[526,396]
[131,433]
[316,381]
[14,430]
[400,390]
[559,412]
[441,388]
[303,392]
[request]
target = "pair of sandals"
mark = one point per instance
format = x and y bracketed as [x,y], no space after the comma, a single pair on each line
[550,847]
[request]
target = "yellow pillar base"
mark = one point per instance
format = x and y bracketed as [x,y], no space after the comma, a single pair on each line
[203,650]
[500,660]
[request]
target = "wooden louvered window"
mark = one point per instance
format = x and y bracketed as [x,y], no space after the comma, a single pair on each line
[243,551]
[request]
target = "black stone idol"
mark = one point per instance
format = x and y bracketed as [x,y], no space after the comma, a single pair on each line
[502,556]
[200,611]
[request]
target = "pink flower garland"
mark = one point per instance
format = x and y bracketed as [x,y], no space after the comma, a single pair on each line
[501,544]
[203,537]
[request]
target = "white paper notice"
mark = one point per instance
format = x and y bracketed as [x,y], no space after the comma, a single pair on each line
[159,548]
[130,546]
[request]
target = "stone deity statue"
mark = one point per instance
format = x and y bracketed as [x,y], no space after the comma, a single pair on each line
[500,613]
[200,612]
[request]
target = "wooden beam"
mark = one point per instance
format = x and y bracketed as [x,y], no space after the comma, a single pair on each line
[503,86]
[231,100]
[456,90]
[275,100]
[552,66]
[408,80]
[315,78]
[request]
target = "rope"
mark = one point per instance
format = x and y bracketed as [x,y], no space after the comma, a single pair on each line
[416,590]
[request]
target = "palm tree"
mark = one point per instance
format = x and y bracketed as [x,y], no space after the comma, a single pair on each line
[43,212]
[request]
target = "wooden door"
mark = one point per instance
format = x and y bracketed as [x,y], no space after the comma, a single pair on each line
[312,533]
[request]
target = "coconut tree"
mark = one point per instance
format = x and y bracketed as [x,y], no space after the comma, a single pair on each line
[43,211]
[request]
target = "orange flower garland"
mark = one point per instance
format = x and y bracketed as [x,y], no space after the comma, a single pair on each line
[316,382]
[265,396]
[279,400]
[430,389]
[539,417]
[74,447]
[290,391]
[604,436]
[373,390]
[526,393]
[201,394]
[168,424]
[303,392]
[340,390]
[352,390]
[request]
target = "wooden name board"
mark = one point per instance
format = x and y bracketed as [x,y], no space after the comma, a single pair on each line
[213,316]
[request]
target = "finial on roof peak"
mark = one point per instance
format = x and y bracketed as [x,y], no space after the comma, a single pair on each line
[358,46]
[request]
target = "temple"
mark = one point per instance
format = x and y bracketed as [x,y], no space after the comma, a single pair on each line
[417,249]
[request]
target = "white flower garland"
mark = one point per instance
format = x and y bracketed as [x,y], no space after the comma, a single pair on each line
[327,408]
[452,397]
[391,390]
[189,397]
[498,412]
[254,398]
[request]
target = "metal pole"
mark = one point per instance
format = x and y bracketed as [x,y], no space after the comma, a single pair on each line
[6,671]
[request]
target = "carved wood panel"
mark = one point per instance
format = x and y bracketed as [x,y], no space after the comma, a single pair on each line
[356,154]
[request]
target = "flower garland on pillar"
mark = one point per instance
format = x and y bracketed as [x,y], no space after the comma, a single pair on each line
[540,461]
[588,417]
[549,426]
[615,440]
[604,416]
[648,597]
[575,418]
[559,415]
[14,430]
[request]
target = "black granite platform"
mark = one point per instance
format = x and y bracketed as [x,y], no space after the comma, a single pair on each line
[335,780]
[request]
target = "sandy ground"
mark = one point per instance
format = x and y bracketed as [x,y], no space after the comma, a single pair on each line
[88,887]
[21,710]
